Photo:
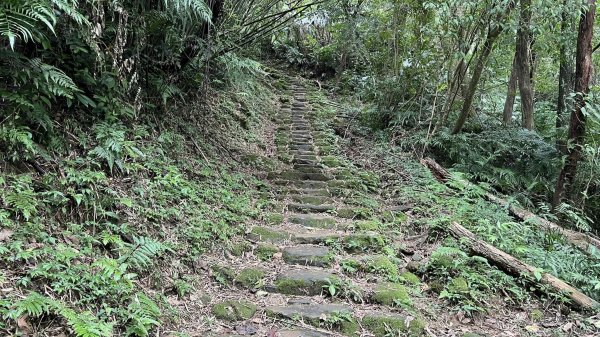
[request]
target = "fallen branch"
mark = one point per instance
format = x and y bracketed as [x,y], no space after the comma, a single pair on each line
[580,240]
[518,267]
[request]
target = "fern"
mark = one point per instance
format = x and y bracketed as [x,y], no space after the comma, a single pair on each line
[143,314]
[142,252]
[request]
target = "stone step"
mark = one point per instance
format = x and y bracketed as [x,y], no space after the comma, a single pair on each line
[305,191]
[305,184]
[308,168]
[314,221]
[316,237]
[308,255]
[302,161]
[265,234]
[306,157]
[297,175]
[308,312]
[308,208]
[309,282]
[310,199]
[300,333]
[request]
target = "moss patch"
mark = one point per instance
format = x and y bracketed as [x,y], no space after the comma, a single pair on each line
[222,274]
[458,285]
[391,294]
[331,161]
[363,242]
[234,310]
[240,248]
[265,251]
[380,326]
[268,235]
[410,278]
[368,225]
[274,218]
[382,265]
[250,278]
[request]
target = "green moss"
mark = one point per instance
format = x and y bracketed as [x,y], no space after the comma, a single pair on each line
[292,287]
[394,217]
[458,285]
[331,161]
[380,326]
[536,315]
[410,278]
[369,225]
[337,184]
[222,274]
[240,248]
[234,310]
[382,265]
[362,242]
[268,235]
[391,294]
[349,328]
[250,278]
[312,200]
[354,213]
[274,218]
[265,251]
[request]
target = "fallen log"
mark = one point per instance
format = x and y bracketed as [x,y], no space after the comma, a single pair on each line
[580,240]
[517,267]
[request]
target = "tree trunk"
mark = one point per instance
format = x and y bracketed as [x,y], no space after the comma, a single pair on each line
[510,95]
[583,73]
[479,66]
[519,268]
[523,64]
[564,77]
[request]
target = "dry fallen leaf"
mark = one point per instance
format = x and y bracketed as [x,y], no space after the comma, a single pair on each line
[5,234]
[567,327]
[22,323]
[277,255]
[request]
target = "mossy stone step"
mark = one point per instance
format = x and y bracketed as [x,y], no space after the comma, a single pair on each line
[303,282]
[305,184]
[310,199]
[310,313]
[314,221]
[297,160]
[307,255]
[305,191]
[381,324]
[308,168]
[317,237]
[390,294]
[265,234]
[300,333]
[297,175]
[309,208]
[234,310]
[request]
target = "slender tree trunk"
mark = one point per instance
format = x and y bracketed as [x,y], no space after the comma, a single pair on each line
[479,66]
[523,64]
[564,77]
[583,73]
[510,95]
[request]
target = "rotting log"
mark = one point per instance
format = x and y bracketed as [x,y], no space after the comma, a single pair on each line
[518,267]
[582,241]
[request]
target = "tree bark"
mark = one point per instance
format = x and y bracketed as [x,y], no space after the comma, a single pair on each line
[564,77]
[523,64]
[520,268]
[583,73]
[584,241]
[477,71]
[510,95]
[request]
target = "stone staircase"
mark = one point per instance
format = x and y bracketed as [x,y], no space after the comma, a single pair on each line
[300,250]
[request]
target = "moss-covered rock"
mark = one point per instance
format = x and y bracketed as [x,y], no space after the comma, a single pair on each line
[391,294]
[458,285]
[536,315]
[268,235]
[250,278]
[265,251]
[354,213]
[363,242]
[381,325]
[331,161]
[304,282]
[239,249]
[368,225]
[382,265]
[274,218]
[234,310]
[410,278]
[222,274]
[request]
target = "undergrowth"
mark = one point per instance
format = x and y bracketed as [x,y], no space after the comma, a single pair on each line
[89,241]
